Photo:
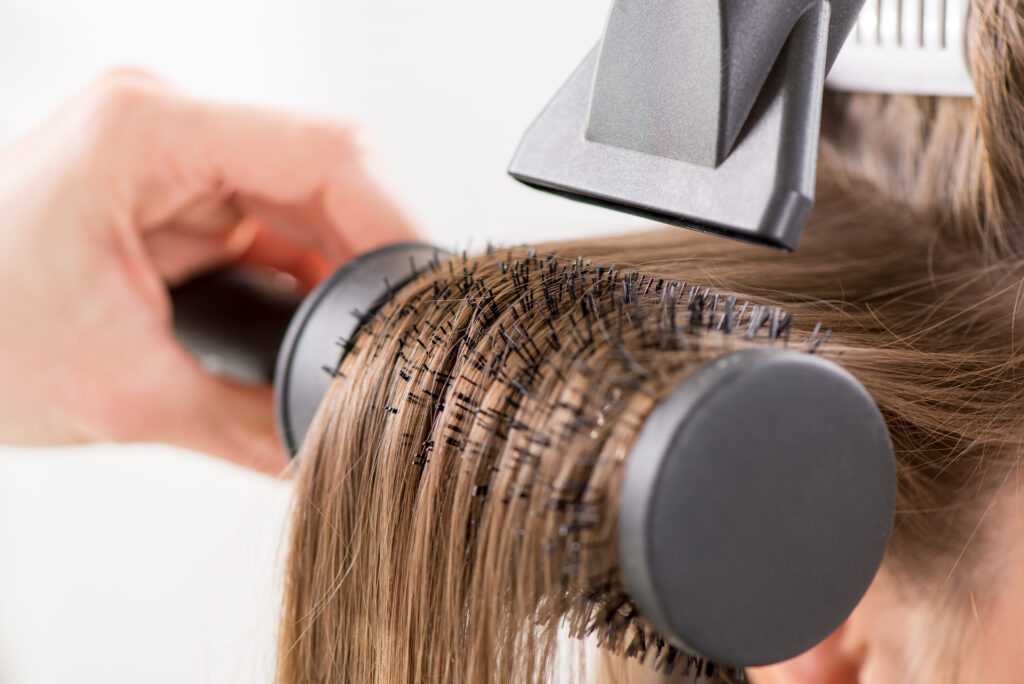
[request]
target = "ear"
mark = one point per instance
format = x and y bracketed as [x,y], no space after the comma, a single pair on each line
[836,660]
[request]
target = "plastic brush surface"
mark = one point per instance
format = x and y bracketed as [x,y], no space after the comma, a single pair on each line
[322,329]
[777,466]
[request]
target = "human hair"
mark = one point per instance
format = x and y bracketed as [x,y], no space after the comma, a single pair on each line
[455,504]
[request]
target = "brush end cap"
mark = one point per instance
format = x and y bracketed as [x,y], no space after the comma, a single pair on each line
[757,506]
[330,316]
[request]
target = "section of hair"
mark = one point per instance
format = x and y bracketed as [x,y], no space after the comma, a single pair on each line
[457,496]
[472,450]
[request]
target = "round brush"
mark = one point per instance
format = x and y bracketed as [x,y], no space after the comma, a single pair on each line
[758,498]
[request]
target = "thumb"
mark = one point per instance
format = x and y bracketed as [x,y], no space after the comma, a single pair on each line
[227,420]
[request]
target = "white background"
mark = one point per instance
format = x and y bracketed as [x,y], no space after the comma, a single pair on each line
[147,564]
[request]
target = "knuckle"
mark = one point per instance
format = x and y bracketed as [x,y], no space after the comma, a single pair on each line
[116,98]
[351,137]
[118,93]
[130,75]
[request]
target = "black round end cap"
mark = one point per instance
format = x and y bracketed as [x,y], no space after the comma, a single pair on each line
[333,312]
[756,506]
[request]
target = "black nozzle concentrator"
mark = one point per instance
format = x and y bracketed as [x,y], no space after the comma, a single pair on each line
[703,114]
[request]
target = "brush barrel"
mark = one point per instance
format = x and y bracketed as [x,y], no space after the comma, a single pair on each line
[756,506]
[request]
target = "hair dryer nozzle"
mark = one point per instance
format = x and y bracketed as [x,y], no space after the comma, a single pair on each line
[703,115]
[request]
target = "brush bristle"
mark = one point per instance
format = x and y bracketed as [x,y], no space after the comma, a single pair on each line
[502,329]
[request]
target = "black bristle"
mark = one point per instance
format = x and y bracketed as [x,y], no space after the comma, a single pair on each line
[519,326]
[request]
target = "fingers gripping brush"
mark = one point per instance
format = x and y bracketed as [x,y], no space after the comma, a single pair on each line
[757,500]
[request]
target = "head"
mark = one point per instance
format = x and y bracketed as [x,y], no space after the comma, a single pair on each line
[456,498]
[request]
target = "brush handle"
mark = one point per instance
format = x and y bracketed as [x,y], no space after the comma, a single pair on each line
[233,322]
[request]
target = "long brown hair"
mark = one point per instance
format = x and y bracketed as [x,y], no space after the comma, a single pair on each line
[455,504]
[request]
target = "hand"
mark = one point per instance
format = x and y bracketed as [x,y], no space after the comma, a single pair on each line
[131,188]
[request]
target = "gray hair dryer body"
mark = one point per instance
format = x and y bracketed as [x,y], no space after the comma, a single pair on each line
[703,114]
